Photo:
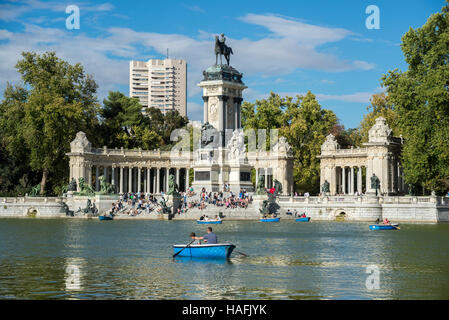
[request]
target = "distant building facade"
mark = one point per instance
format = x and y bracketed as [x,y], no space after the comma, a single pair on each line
[160,84]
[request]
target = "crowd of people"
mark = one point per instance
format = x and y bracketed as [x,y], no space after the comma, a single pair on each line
[137,203]
[233,201]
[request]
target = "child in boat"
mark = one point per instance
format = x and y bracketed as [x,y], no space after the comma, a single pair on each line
[193,237]
[217,218]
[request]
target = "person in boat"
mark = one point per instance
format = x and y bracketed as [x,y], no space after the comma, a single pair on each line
[386,221]
[202,217]
[193,237]
[377,221]
[289,213]
[206,218]
[209,237]
[217,218]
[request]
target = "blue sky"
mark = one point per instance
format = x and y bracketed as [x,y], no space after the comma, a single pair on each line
[288,47]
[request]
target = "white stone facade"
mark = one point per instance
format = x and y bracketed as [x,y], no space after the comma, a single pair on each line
[344,168]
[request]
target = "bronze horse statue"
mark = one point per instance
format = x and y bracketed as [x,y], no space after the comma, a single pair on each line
[222,49]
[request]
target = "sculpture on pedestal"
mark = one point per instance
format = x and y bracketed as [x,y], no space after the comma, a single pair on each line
[222,49]
[325,187]
[173,188]
[260,186]
[277,187]
[85,189]
[105,187]
[375,183]
[236,146]
[72,185]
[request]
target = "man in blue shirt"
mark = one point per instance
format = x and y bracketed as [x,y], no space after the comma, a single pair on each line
[210,237]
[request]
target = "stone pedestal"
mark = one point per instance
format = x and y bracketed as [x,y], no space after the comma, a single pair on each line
[240,178]
[258,202]
[174,202]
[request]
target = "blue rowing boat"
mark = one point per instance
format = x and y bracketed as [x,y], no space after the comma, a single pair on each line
[306,219]
[270,219]
[384,226]
[214,251]
[105,218]
[208,222]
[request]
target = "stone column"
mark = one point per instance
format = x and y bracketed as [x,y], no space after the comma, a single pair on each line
[343,180]
[121,179]
[333,182]
[359,179]
[351,189]
[266,177]
[177,177]
[113,176]
[167,173]
[139,178]
[222,117]
[238,102]
[148,180]
[158,180]
[97,181]
[154,182]
[187,179]
[105,172]
[89,174]
[130,179]
[257,176]
[206,109]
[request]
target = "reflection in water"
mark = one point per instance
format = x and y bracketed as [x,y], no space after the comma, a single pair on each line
[133,260]
[73,270]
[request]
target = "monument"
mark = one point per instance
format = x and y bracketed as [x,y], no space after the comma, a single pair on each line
[220,159]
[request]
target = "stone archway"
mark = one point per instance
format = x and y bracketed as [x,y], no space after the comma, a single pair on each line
[341,214]
[31,212]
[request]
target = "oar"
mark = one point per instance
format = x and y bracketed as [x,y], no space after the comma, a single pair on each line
[243,254]
[183,248]
[395,227]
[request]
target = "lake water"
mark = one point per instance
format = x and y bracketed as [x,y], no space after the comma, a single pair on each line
[123,259]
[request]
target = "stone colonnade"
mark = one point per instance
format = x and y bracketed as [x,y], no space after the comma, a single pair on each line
[128,178]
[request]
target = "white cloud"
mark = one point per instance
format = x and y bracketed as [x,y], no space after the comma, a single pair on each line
[360,97]
[290,46]
[11,12]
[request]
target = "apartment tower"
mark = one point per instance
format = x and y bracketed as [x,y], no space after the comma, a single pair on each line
[160,84]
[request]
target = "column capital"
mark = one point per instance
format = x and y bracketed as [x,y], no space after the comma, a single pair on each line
[205,98]
[223,98]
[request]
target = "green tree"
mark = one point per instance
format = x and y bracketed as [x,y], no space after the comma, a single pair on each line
[57,100]
[305,125]
[420,97]
[308,126]
[380,107]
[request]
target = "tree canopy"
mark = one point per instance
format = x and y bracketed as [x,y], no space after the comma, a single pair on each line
[305,125]
[420,96]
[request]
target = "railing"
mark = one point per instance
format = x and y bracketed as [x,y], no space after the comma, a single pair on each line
[364,199]
[30,199]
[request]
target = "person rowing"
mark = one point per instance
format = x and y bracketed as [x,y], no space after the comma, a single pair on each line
[209,238]
[386,221]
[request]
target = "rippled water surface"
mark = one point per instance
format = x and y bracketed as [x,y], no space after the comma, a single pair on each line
[287,260]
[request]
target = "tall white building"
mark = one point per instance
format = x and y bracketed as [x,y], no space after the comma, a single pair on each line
[159,83]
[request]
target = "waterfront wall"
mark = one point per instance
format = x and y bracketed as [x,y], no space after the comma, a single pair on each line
[370,208]
[327,208]
[39,207]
